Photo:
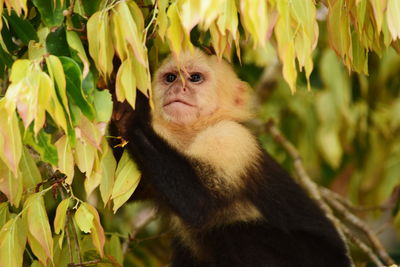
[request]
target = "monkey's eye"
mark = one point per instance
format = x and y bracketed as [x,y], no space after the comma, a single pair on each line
[196,77]
[170,77]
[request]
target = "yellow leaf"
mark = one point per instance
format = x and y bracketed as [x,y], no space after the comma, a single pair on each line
[255,19]
[228,19]
[43,100]
[97,233]
[378,6]
[108,167]
[85,155]
[210,10]
[137,15]
[393,18]
[19,70]
[100,43]
[12,243]
[75,43]
[175,32]
[126,82]
[18,6]
[10,185]
[126,181]
[284,36]
[93,180]
[60,219]
[84,218]
[143,80]
[305,14]
[11,145]
[65,158]
[131,32]
[120,44]
[61,215]
[339,31]
[37,50]
[162,19]
[190,13]
[89,131]
[39,232]
[56,72]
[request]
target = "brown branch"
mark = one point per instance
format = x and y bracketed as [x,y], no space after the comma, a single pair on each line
[326,193]
[327,200]
[303,178]
[361,245]
[357,222]
[142,219]
[86,263]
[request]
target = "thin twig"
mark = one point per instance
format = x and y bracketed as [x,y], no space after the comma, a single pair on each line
[354,220]
[366,249]
[86,263]
[331,194]
[327,199]
[143,218]
[304,179]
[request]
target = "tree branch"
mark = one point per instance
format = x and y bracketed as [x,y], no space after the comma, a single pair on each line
[328,200]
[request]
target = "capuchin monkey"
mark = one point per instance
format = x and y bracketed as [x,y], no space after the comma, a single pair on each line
[228,202]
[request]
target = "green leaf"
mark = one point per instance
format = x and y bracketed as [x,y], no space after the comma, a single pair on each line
[91,6]
[29,170]
[114,249]
[51,15]
[56,42]
[73,76]
[42,144]
[12,243]
[4,213]
[6,58]
[23,28]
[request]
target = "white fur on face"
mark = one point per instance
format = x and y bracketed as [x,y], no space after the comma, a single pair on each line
[183,102]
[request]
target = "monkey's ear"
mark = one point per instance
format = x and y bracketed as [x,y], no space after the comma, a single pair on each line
[242,94]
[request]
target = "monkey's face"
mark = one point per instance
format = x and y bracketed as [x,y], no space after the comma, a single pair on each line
[183,95]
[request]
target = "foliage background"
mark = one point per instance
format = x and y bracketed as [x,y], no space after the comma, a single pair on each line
[326,71]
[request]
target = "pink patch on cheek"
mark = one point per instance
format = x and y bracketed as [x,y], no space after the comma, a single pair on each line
[239,101]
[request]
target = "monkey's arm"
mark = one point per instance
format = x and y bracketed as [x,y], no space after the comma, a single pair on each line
[173,176]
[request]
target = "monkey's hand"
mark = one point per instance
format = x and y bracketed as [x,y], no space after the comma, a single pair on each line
[125,119]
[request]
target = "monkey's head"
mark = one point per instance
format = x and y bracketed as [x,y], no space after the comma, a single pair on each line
[196,87]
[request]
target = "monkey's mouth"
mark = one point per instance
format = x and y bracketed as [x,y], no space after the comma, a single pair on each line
[177,101]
